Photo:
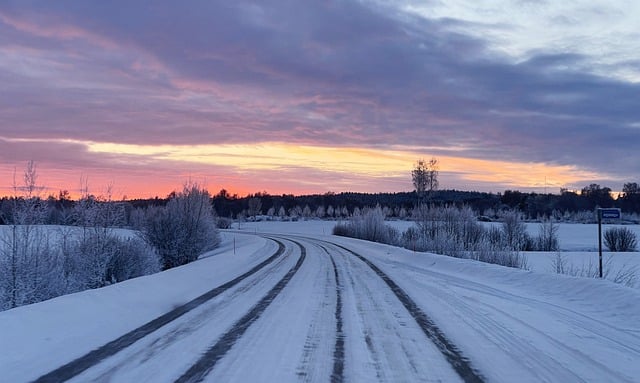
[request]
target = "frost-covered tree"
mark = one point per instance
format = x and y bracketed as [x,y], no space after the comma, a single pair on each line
[368,225]
[255,206]
[28,268]
[183,229]
[271,212]
[295,212]
[330,211]
[515,231]
[547,239]
[306,212]
[39,263]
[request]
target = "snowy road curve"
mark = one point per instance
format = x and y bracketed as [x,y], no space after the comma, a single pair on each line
[337,310]
[316,312]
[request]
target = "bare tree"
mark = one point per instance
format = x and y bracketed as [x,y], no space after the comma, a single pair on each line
[547,239]
[425,176]
[27,261]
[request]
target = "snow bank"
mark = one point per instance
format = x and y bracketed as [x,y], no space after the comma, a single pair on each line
[50,333]
[610,302]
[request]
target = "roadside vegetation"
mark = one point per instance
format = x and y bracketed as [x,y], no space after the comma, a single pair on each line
[90,247]
[454,229]
[447,230]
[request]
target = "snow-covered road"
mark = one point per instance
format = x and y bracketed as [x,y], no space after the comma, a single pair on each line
[322,308]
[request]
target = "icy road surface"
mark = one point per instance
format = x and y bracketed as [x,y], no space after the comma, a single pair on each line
[300,308]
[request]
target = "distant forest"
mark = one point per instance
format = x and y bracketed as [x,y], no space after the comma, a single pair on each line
[396,205]
[533,205]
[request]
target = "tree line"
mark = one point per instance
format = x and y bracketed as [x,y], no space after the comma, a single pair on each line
[342,205]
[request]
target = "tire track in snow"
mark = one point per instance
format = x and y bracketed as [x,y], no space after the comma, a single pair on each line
[198,371]
[460,364]
[597,327]
[546,363]
[192,323]
[337,373]
[311,362]
[94,357]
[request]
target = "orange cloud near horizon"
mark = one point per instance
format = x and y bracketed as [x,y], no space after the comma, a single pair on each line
[146,171]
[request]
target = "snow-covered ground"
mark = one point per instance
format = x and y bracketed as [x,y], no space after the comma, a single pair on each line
[39,337]
[578,246]
[511,325]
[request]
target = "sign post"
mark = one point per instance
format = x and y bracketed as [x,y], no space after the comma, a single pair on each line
[610,213]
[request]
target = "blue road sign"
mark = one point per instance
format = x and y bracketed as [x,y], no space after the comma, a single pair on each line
[612,213]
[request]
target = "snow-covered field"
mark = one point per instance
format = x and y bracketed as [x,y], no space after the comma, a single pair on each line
[511,325]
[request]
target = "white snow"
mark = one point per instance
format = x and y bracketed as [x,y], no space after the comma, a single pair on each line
[40,337]
[514,325]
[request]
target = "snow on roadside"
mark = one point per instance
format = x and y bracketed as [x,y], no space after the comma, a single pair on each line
[578,243]
[518,325]
[602,299]
[50,333]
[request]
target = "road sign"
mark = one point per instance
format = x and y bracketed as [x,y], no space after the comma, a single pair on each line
[612,213]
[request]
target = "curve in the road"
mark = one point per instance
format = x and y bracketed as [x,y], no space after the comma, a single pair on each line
[94,357]
[460,364]
[206,363]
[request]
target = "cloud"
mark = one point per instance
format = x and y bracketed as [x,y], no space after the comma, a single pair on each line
[325,74]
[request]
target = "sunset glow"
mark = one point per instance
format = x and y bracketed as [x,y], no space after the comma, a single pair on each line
[316,97]
[266,162]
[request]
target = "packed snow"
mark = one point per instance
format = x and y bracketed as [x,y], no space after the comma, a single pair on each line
[512,325]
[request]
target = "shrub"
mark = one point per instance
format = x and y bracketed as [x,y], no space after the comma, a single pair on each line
[445,230]
[369,226]
[620,239]
[515,232]
[224,223]
[456,232]
[342,229]
[625,274]
[100,258]
[183,229]
[547,239]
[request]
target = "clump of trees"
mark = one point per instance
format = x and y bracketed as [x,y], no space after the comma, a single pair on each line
[425,177]
[183,229]
[455,231]
[39,262]
[444,230]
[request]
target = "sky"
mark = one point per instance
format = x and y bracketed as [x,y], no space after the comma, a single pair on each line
[316,96]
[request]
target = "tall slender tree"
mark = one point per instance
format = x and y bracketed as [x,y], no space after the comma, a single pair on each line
[425,177]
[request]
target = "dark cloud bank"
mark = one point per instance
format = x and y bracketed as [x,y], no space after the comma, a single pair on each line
[322,72]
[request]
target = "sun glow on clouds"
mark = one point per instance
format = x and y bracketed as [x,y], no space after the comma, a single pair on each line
[345,162]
